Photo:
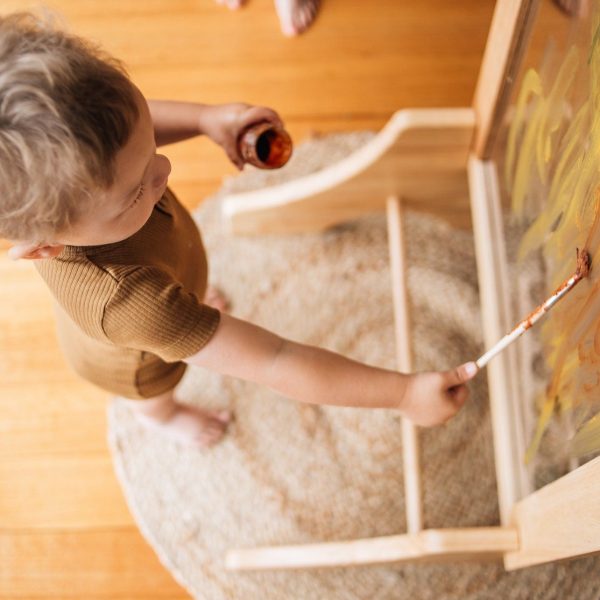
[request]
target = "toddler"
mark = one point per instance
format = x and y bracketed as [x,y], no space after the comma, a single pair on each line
[84,193]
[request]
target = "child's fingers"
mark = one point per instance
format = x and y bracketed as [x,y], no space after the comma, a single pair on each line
[234,155]
[224,416]
[460,374]
[459,394]
[256,114]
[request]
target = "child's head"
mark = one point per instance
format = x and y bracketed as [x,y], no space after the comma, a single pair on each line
[78,162]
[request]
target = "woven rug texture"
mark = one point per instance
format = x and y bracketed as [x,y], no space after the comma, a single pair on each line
[289,473]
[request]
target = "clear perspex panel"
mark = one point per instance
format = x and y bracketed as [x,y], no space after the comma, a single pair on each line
[548,159]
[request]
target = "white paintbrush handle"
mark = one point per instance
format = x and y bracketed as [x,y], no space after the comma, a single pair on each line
[526,323]
[507,340]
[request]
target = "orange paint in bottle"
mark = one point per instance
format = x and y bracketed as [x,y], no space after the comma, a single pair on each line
[265,146]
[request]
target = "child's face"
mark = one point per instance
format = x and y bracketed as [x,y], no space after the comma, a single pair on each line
[140,179]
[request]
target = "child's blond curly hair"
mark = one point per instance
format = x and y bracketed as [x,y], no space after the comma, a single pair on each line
[66,108]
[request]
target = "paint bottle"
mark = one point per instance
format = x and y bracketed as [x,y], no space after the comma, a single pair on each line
[265,145]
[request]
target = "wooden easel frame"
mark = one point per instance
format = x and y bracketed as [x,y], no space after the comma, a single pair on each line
[430,158]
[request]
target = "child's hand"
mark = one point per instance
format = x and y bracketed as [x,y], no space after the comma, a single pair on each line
[434,397]
[225,122]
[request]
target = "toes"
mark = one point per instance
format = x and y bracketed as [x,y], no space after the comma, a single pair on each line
[303,16]
[210,438]
[217,425]
[232,4]
[207,441]
[211,434]
[299,22]
[214,434]
[224,416]
[288,27]
[289,30]
[285,11]
[221,417]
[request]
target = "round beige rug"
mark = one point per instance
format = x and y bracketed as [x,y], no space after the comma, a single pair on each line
[289,473]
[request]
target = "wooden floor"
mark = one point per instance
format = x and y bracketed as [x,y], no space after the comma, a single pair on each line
[65,531]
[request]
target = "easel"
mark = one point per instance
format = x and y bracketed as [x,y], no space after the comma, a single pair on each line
[434,159]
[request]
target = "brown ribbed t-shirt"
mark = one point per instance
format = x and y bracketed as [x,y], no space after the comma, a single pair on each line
[140,297]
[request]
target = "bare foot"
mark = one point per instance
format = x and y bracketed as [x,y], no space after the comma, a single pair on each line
[232,4]
[193,426]
[187,425]
[296,16]
[216,298]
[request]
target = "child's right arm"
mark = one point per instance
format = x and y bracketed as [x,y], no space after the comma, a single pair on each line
[176,121]
[318,376]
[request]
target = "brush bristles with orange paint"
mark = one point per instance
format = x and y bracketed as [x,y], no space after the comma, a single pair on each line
[584,264]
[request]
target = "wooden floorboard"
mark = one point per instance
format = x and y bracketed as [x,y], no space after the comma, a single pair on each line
[65,531]
[83,565]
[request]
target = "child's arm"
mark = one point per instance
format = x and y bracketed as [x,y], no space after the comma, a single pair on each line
[317,376]
[176,121]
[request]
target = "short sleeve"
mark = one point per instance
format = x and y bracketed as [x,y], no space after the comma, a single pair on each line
[150,311]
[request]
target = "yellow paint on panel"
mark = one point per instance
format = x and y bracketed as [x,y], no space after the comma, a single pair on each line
[586,439]
[553,153]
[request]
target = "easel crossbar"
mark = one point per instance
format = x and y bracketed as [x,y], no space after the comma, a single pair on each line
[449,544]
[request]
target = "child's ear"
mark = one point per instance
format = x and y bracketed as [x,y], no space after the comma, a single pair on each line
[34,251]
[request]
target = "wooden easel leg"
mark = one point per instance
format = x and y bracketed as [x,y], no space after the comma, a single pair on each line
[562,520]
[410,436]
[512,476]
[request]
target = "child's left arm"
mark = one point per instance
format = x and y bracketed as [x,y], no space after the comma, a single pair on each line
[223,123]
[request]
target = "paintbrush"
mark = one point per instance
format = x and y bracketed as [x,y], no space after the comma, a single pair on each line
[584,263]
